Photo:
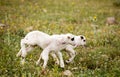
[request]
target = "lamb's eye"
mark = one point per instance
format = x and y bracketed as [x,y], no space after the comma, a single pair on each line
[84,40]
[72,39]
[82,37]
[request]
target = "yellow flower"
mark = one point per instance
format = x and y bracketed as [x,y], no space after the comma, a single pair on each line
[94,17]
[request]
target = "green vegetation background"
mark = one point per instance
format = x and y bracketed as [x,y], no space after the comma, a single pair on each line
[101,57]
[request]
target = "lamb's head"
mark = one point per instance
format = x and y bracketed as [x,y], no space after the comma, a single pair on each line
[68,39]
[80,40]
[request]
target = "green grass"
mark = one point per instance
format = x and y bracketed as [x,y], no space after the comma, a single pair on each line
[101,57]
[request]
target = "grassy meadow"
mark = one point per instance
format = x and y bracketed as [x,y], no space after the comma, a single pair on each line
[101,57]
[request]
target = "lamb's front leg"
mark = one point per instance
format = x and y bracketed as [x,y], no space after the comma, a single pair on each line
[72,54]
[59,54]
[44,55]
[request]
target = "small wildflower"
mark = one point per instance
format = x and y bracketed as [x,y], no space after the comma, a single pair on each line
[95,17]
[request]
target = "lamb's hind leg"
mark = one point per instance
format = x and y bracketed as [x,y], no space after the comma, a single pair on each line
[28,49]
[23,50]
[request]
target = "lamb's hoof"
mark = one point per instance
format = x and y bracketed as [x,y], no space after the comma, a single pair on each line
[67,61]
[57,63]
[62,66]
[37,63]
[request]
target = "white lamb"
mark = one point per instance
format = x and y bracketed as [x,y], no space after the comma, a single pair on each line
[45,41]
[56,47]
[58,43]
[79,40]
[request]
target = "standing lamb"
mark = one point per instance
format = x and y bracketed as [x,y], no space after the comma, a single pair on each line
[59,42]
[42,40]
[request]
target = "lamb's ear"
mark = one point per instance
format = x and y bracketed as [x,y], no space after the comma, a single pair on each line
[68,37]
[81,37]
